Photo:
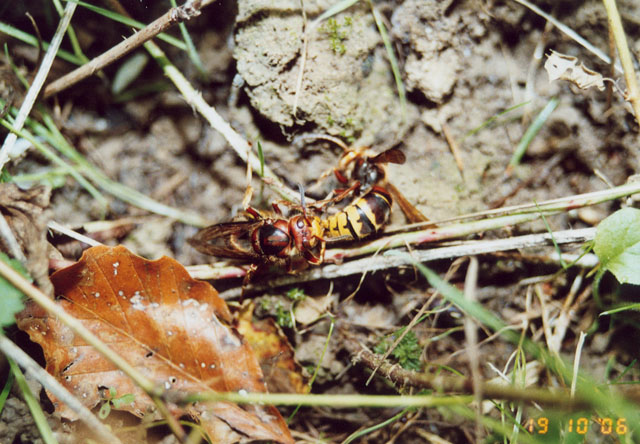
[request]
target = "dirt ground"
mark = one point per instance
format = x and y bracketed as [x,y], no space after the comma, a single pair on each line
[462,63]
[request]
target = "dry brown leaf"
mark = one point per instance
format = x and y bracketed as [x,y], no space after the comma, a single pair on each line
[173,329]
[274,352]
[26,214]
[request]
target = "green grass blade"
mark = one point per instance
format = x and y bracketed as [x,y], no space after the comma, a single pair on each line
[116,189]
[75,44]
[335,9]
[53,157]
[34,406]
[624,372]
[597,395]
[497,426]
[51,134]
[531,132]
[371,429]
[31,40]
[392,60]
[634,307]
[14,68]
[11,299]
[493,119]
[143,201]
[55,178]
[473,309]
[191,48]
[142,90]
[446,333]
[318,365]
[6,390]
[129,71]
[563,264]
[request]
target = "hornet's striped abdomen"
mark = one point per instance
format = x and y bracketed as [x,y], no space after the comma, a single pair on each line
[362,218]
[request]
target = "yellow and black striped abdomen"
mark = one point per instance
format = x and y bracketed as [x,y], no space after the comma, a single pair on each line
[362,218]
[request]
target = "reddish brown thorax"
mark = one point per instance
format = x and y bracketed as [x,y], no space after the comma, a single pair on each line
[272,239]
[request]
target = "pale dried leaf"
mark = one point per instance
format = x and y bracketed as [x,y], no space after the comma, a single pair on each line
[564,67]
[311,309]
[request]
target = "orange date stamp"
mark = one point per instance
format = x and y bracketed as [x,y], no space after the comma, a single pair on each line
[580,425]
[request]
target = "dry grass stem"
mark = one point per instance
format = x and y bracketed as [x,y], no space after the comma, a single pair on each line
[55,226]
[471,335]
[633,92]
[558,204]
[453,146]
[576,363]
[38,81]
[237,142]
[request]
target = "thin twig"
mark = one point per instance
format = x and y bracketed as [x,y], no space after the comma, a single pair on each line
[173,16]
[59,391]
[440,383]
[471,248]
[390,260]
[39,36]
[404,378]
[38,81]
